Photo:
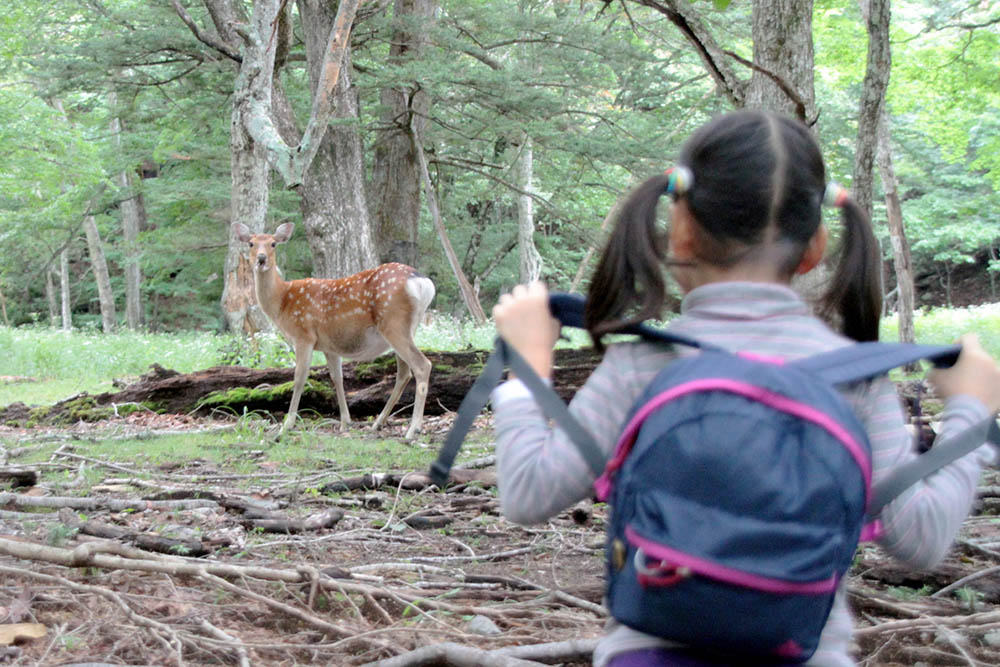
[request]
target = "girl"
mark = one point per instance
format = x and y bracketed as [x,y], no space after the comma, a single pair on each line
[745,218]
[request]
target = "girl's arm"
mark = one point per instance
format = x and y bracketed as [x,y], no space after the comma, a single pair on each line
[540,471]
[920,525]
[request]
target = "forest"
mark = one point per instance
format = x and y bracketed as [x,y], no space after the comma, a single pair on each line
[148,515]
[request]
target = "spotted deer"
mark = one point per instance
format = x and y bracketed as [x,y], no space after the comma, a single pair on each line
[358,317]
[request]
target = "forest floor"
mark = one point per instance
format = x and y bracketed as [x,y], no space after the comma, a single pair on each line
[382,569]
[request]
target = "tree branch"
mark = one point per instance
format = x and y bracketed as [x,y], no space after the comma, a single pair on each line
[204,37]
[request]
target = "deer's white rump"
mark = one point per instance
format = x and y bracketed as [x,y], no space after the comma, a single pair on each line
[358,317]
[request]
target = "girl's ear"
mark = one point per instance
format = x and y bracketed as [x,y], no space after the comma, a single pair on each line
[682,233]
[814,251]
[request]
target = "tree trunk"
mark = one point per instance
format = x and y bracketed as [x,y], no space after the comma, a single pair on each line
[249,168]
[395,188]
[783,53]
[334,210]
[133,219]
[529,261]
[67,320]
[469,295]
[897,233]
[100,265]
[876,14]
[50,294]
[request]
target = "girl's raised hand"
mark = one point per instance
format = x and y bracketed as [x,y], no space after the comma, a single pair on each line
[974,374]
[523,320]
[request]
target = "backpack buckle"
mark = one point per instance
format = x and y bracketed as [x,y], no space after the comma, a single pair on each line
[658,573]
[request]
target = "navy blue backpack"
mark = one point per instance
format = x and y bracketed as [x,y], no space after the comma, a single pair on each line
[739,489]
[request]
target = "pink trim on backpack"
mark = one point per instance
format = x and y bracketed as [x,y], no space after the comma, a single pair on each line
[763,358]
[603,484]
[790,650]
[872,531]
[673,559]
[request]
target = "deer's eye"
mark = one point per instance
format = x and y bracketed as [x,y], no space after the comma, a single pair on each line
[274,243]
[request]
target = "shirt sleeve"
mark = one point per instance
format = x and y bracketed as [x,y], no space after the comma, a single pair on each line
[540,471]
[921,523]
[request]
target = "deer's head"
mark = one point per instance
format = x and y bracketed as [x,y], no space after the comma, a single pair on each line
[262,246]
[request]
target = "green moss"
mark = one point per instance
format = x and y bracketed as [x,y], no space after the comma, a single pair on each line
[240,396]
[375,369]
[83,408]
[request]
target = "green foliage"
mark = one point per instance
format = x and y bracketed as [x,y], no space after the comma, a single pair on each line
[944,326]
[605,91]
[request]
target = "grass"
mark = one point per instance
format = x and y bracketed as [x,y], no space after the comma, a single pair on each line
[945,325]
[61,364]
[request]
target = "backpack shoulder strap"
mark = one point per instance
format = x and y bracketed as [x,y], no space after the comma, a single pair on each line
[568,309]
[940,455]
[552,405]
[862,361]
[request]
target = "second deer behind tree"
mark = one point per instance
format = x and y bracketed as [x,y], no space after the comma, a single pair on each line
[358,317]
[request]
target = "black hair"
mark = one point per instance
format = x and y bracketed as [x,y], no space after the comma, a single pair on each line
[758,178]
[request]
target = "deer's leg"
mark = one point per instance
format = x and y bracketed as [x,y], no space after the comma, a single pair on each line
[303,357]
[421,367]
[335,366]
[402,379]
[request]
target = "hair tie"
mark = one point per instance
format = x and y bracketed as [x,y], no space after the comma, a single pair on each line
[835,194]
[680,179]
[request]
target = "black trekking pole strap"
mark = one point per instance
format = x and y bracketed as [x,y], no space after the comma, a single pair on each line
[552,406]
[940,455]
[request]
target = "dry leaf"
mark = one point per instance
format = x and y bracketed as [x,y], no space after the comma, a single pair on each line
[13,632]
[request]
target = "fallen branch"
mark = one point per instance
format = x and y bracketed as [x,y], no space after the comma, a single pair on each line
[144,541]
[110,504]
[241,651]
[929,623]
[161,631]
[572,650]
[452,655]
[270,523]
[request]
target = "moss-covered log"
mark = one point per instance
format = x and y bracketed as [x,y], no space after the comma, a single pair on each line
[235,389]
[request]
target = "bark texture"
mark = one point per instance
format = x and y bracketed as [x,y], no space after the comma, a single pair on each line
[529,260]
[395,186]
[334,210]
[101,276]
[782,78]
[879,62]
[897,233]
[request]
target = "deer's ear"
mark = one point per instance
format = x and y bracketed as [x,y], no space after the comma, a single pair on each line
[242,231]
[284,232]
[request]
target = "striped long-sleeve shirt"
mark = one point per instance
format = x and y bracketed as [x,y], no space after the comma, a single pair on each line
[541,472]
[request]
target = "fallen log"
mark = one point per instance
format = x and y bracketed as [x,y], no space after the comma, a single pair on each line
[237,390]
[19,475]
[144,541]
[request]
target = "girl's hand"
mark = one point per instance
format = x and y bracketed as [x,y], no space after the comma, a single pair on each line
[523,320]
[975,374]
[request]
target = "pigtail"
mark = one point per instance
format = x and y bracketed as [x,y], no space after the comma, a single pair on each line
[628,285]
[854,297]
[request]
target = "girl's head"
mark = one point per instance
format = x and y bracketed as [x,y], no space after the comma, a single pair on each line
[747,193]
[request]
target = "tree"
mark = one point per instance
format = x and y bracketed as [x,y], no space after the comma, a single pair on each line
[395,186]
[101,276]
[259,44]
